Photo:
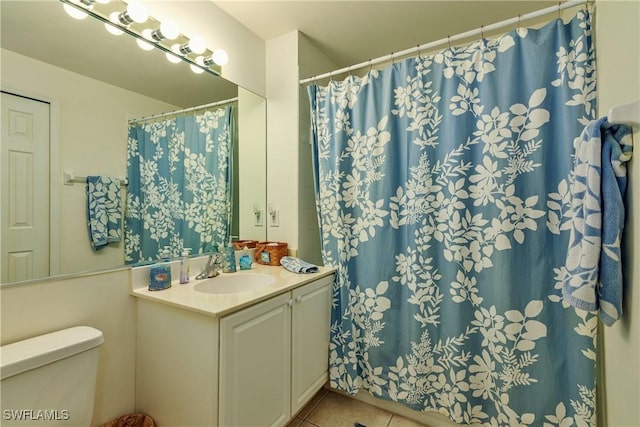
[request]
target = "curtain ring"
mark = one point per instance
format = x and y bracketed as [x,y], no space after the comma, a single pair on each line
[449,41]
[518,27]
[330,76]
[482,32]
[418,51]
[370,66]
[393,60]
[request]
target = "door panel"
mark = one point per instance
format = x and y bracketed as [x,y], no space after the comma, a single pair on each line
[255,365]
[311,321]
[24,185]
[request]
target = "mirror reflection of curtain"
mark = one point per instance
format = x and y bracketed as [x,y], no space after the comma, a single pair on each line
[179,172]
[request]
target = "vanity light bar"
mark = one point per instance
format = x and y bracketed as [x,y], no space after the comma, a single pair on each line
[101,11]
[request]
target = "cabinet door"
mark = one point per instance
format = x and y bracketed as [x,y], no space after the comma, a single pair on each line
[311,320]
[255,365]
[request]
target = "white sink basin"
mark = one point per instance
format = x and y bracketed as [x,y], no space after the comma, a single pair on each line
[234,283]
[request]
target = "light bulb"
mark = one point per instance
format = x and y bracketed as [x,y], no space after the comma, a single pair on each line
[168,30]
[113,28]
[220,57]
[195,68]
[137,12]
[174,58]
[73,12]
[197,45]
[144,45]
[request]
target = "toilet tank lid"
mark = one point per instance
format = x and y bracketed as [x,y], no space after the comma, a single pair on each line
[38,351]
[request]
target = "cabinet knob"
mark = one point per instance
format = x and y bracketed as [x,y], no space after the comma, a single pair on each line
[290,303]
[299,298]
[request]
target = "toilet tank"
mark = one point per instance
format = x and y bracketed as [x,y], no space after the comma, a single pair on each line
[50,380]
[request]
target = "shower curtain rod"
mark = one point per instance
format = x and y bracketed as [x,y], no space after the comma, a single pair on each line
[186,110]
[472,33]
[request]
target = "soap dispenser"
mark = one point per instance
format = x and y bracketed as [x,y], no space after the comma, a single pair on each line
[160,273]
[229,258]
[184,267]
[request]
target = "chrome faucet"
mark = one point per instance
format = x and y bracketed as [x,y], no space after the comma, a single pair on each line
[213,267]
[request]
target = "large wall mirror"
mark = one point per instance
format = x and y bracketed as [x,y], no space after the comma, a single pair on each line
[74,87]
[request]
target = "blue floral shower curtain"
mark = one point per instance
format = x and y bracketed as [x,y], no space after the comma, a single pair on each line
[179,172]
[442,185]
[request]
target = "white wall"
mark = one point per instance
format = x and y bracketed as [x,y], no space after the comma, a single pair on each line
[92,140]
[251,161]
[282,136]
[290,171]
[101,301]
[618,54]
[312,61]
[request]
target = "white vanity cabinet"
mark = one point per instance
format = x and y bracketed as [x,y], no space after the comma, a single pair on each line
[274,356]
[256,366]
[310,324]
[176,365]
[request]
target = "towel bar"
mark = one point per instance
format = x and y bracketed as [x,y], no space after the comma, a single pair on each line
[70,178]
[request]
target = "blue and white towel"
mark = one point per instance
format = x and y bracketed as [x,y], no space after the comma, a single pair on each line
[104,213]
[593,277]
[297,265]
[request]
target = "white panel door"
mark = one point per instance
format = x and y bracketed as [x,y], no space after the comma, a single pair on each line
[24,188]
[255,365]
[311,320]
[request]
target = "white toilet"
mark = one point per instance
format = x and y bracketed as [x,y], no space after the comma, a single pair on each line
[50,380]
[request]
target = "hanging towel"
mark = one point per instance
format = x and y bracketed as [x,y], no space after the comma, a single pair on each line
[297,265]
[593,278]
[104,214]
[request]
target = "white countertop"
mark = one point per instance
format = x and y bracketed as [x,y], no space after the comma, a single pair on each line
[216,305]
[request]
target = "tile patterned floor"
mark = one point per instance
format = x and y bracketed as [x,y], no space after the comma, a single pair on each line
[328,409]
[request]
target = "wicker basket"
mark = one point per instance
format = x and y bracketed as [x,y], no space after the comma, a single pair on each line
[239,245]
[270,253]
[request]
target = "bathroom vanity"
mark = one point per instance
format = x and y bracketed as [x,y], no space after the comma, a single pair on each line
[218,352]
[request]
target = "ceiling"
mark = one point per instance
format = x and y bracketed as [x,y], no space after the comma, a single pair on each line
[350,32]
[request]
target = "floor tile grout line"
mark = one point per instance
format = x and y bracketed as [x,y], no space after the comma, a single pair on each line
[314,408]
[389,423]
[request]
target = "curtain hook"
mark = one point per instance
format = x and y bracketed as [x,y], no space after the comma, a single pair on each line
[370,66]
[559,15]
[393,60]
[418,51]
[449,41]
[330,76]
[482,31]
[518,27]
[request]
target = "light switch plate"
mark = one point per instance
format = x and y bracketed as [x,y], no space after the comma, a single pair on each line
[274,218]
[258,218]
